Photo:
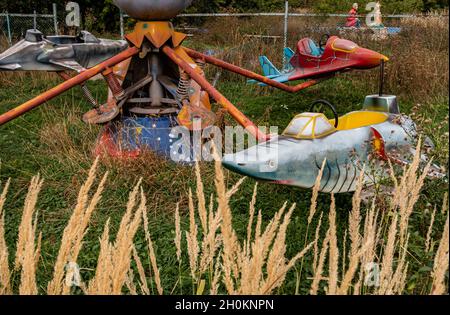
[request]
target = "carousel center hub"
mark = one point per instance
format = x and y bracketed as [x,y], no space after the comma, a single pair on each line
[152,10]
[154,96]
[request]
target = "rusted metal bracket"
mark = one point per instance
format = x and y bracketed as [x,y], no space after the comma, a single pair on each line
[220,99]
[111,109]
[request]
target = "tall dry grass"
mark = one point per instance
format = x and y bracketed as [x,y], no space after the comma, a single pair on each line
[221,260]
[72,239]
[5,275]
[115,258]
[27,251]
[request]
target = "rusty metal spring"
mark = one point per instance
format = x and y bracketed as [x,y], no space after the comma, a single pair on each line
[113,84]
[88,95]
[183,86]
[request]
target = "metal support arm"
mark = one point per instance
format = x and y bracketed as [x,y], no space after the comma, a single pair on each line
[252,75]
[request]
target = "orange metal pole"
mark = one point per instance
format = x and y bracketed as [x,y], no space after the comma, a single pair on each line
[77,80]
[222,100]
[252,75]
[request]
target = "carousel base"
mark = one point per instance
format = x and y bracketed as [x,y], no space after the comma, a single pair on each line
[129,137]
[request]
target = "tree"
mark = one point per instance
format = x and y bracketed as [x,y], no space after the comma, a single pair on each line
[103,15]
[434,4]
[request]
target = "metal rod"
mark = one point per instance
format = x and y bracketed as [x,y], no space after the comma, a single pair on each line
[252,75]
[8,27]
[34,20]
[381,86]
[286,25]
[292,15]
[77,80]
[27,15]
[220,99]
[55,18]
[122,28]
[113,84]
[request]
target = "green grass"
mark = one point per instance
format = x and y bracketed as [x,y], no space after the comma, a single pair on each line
[25,151]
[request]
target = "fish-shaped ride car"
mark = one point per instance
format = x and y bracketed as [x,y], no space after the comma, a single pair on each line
[310,60]
[37,52]
[344,145]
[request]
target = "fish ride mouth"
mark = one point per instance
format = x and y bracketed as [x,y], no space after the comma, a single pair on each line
[238,168]
[281,182]
[10,66]
[235,167]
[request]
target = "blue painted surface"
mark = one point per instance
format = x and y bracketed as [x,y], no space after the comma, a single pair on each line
[271,72]
[288,53]
[394,30]
[152,133]
[283,78]
[156,134]
[390,29]
[267,67]
[315,51]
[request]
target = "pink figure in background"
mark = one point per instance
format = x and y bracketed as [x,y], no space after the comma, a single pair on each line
[378,16]
[352,19]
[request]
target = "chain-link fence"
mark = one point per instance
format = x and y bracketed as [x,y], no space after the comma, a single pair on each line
[280,29]
[13,26]
[312,22]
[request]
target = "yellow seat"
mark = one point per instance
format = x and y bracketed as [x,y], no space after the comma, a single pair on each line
[360,119]
[309,126]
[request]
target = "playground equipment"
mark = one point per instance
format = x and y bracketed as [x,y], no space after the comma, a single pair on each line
[37,52]
[360,141]
[162,85]
[332,55]
[157,83]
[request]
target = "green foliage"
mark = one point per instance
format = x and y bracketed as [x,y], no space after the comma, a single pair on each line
[395,6]
[237,5]
[102,16]
[103,9]
[434,4]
